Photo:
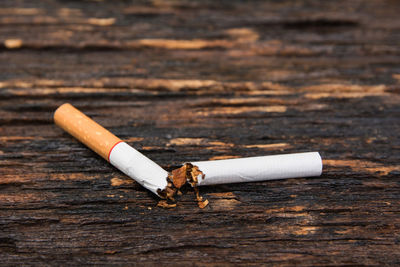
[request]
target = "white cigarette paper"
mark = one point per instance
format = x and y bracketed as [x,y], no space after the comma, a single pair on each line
[259,168]
[137,166]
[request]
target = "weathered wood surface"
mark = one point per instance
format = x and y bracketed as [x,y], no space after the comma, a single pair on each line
[185,80]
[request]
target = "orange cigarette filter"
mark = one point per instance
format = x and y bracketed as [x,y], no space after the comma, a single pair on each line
[118,153]
[85,130]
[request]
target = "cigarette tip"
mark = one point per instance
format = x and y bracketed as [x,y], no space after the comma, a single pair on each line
[60,108]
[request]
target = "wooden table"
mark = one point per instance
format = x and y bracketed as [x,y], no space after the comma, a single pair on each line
[199,80]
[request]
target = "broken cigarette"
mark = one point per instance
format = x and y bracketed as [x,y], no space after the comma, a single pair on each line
[124,157]
[167,185]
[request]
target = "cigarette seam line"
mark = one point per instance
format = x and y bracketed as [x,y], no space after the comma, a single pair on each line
[109,153]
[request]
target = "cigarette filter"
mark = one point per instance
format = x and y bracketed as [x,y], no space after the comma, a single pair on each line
[111,148]
[259,168]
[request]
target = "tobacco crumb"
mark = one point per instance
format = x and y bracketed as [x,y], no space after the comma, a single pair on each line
[194,172]
[202,204]
[165,204]
[179,176]
[187,174]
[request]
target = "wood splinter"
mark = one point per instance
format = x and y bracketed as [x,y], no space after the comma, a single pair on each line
[168,185]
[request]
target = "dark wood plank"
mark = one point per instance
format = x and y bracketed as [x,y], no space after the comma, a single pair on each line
[186,80]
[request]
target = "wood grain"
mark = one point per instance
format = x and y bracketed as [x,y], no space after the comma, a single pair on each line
[197,80]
